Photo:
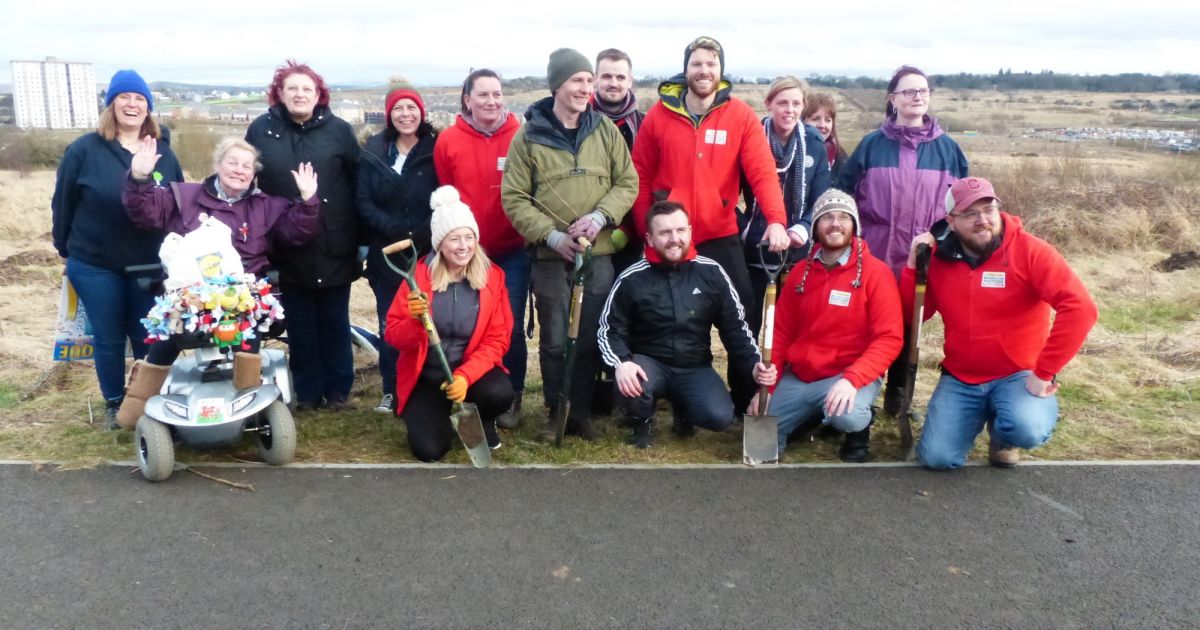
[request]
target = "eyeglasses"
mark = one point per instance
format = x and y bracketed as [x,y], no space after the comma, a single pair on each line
[911,94]
[974,215]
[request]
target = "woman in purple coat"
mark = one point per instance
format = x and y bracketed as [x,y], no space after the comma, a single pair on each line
[899,175]
[256,222]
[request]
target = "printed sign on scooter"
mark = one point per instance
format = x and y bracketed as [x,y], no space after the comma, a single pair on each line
[211,411]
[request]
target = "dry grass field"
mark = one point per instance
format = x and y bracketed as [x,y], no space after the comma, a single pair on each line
[1114,210]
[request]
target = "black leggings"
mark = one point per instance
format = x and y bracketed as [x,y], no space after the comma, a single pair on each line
[427,412]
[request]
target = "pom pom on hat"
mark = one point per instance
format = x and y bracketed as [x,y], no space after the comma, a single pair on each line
[449,214]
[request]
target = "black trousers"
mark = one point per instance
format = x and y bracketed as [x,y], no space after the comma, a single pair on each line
[427,412]
[727,252]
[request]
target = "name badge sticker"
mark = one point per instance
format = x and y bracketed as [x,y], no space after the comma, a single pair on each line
[993,280]
[839,298]
[500,163]
[722,136]
[710,136]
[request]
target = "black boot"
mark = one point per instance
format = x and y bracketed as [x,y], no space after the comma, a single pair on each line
[640,436]
[682,427]
[584,428]
[856,446]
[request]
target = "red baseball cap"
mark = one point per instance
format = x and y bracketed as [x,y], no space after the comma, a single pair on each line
[967,191]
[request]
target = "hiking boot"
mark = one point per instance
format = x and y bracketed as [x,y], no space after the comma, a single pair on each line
[640,436]
[387,404]
[1003,456]
[856,446]
[336,402]
[585,429]
[681,427]
[110,415]
[511,419]
[893,399]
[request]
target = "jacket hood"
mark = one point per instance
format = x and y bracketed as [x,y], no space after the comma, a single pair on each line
[543,127]
[673,90]
[912,136]
[210,188]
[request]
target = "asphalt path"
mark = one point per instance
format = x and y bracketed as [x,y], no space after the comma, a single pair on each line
[886,547]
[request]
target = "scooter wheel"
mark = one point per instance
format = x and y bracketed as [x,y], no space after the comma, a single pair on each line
[276,434]
[155,450]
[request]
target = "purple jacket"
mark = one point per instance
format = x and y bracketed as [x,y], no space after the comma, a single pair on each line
[257,220]
[899,177]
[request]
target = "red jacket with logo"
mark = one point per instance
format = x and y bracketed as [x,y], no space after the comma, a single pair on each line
[997,315]
[701,165]
[485,349]
[474,164]
[835,327]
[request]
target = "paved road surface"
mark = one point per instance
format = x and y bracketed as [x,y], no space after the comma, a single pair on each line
[1036,547]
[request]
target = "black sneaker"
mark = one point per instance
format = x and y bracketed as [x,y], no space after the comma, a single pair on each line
[682,427]
[642,435]
[856,446]
[493,438]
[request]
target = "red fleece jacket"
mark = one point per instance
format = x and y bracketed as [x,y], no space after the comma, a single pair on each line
[474,164]
[701,166]
[997,316]
[834,327]
[485,349]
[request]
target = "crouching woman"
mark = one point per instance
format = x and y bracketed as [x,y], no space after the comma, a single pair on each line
[464,294]
[256,222]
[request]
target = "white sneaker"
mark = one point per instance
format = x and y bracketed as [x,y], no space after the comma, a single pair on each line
[387,404]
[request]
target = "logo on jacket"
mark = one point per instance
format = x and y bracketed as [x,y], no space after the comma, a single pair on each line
[695,291]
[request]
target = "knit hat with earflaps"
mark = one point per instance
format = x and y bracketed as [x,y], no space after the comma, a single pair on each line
[835,200]
[449,214]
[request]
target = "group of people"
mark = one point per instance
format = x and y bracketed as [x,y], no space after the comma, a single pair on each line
[498,209]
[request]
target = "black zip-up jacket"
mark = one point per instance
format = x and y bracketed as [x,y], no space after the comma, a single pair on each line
[331,258]
[89,218]
[394,206]
[667,313]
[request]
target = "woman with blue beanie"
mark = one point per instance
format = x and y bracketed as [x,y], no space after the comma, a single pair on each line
[95,236]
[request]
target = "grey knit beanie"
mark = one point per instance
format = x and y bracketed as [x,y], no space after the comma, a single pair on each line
[564,63]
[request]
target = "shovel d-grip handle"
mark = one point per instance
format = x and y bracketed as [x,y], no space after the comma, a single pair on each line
[397,246]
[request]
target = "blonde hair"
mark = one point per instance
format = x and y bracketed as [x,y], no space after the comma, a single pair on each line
[476,272]
[786,83]
[107,126]
[235,142]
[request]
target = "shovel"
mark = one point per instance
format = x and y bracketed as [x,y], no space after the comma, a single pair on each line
[464,416]
[583,261]
[760,432]
[904,417]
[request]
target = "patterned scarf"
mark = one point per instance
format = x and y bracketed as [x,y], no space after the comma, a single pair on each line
[790,158]
[622,114]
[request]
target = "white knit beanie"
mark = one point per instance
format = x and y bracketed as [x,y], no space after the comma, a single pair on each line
[834,199]
[449,214]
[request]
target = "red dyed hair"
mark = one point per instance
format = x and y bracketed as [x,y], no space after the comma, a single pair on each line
[287,70]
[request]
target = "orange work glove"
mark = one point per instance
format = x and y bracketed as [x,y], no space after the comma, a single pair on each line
[456,391]
[417,304]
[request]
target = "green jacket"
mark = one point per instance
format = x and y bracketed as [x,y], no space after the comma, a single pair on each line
[548,182]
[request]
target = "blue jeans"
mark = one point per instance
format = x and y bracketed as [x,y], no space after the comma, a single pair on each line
[385,293]
[958,412]
[115,307]
[794,401]
[516,266]
[318,331]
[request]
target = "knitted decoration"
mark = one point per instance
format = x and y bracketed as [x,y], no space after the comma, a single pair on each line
[231,308]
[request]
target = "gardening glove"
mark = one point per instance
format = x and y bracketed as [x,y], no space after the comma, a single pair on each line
[456,391]
[417,304]
[561,243]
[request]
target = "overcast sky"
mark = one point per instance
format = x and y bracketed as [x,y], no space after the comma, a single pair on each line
[436,42]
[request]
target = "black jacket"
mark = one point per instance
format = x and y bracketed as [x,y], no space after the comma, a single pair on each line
[331,258]
[89,219]
[667,312]
[394,206]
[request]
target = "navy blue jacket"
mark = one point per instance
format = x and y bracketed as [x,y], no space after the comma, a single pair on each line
[394,206]
[817,179]
[90,221]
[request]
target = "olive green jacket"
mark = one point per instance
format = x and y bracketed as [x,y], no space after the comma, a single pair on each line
[550,182]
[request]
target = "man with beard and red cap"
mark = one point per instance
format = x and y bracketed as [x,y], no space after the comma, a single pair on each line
[995,285]
[838,327]
[694,147]
[656,327]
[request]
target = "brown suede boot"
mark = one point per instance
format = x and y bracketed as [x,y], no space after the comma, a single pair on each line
[145,380]
[247,370]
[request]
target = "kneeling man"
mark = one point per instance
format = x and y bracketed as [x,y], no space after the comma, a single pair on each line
[995,284]
[656,328]
[837,329]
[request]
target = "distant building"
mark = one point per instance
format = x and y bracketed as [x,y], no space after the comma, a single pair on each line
[55,94]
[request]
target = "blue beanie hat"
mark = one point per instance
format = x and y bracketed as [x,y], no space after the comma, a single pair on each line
[128,81]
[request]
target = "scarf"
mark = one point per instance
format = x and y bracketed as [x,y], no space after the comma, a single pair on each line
[622,113]
[789,160]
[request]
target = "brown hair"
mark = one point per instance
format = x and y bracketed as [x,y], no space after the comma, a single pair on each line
[469,84]
[287,70]
[815,103]
[107,126]
[900,73]
[661,208]
[614,54]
